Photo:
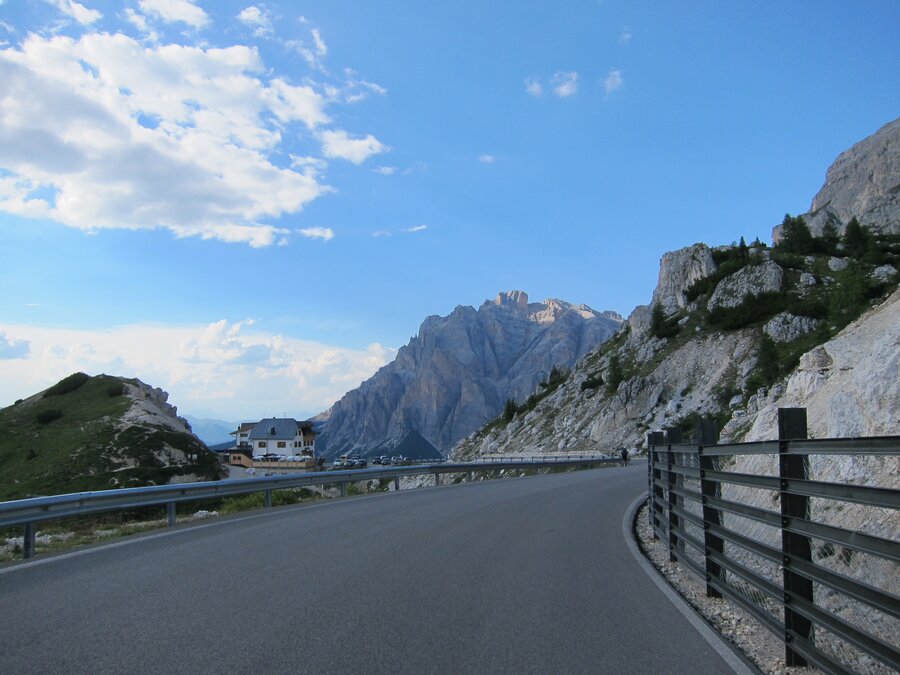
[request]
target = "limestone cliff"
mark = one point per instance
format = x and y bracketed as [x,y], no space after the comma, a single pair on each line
[460,369]
[863,181]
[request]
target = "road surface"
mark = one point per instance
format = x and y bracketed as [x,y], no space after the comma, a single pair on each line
[521,575]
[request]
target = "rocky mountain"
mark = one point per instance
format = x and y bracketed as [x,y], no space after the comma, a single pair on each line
[726,327]
[93,433]
[863,181]
[733,332]
[459,371]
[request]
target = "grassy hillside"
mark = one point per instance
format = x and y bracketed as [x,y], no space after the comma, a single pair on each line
[67,439]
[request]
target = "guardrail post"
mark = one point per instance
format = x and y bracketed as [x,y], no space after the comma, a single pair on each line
[268,500]
[343,488]
[170,514]
[397,484]
[673,437]
[656,439]
[28,541]
[792,426]
[711,516]
[471,475]
[437,479]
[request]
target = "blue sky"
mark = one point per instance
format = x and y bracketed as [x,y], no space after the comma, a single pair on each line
[253,206]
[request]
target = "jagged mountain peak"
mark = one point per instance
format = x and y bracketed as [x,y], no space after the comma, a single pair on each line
[460,369]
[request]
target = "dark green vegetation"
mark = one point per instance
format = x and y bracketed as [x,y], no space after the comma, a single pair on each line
[557,377]
[67,440]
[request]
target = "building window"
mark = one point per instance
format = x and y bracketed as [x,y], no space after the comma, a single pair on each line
[261,444]
[282,444]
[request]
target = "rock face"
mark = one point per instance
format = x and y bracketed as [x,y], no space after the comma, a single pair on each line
[460,370]
[786,327]
[863,181]
[850,386]
[753,280]
[678,270]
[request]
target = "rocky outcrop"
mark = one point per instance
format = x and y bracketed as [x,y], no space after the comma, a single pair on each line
[786,327]
[863,181]
[850,386]
[750,280]
[678,271]
[458,372]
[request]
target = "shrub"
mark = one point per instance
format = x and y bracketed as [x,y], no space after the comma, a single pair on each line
[115,389]
[592,382]
[615,375]
[47,416]
[660,326]
[67,384]
[795,235]
[752,309]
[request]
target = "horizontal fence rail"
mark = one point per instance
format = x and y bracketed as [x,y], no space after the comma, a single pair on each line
[29,512]
[690,512]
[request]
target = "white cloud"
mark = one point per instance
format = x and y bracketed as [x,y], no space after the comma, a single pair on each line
[487,159]
[417,228]
[338,144]
[382,233]
[104,132]
[137,20]
[321,47]
[565,83]
[625,36]
[385,170]
[613,81]
[533,87]
[225,370]
[257,19]
[77,11]
[171,11]
[323,233]
[13,349]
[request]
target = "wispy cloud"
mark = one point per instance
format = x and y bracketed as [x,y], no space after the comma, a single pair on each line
[77,11]
[173,11]
[533,87]
[416,228]
[385,170]
[487,159]
[338,144]
[381,233]
[321,47]
[259,20]
[565,83]
[625,36]
[323,233]
[613,81]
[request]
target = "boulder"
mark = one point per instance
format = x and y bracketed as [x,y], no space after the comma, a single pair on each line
[786,327]
[751,280]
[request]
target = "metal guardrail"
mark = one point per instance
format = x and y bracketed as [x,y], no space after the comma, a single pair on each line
[29,512]
[673,506]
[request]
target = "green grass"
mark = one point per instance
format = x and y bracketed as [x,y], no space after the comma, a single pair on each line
[75,447]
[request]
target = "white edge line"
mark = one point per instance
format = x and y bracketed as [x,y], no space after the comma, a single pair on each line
[712,637]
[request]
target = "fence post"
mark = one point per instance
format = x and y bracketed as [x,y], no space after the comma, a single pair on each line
[792,425]
[397,484]
[673,437]
[170,514]
[28,541]
[437,479]
[711,515]
[267,504]
[657,439]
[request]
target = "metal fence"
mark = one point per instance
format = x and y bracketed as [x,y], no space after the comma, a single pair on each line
[29,512]
[817,562]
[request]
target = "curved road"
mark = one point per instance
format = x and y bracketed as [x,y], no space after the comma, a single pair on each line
[518,575]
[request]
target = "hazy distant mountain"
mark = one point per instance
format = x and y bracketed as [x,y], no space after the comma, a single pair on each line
[211,432]
[460,370]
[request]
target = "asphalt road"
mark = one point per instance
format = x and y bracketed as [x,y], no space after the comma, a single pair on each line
[518,575]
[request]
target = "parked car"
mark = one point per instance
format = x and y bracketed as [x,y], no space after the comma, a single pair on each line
[337,463]
[360,463]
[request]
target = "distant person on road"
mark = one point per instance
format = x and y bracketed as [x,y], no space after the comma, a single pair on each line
[624,453]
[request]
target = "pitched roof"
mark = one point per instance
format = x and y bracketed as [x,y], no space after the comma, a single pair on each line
[243,427]
[274,428]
